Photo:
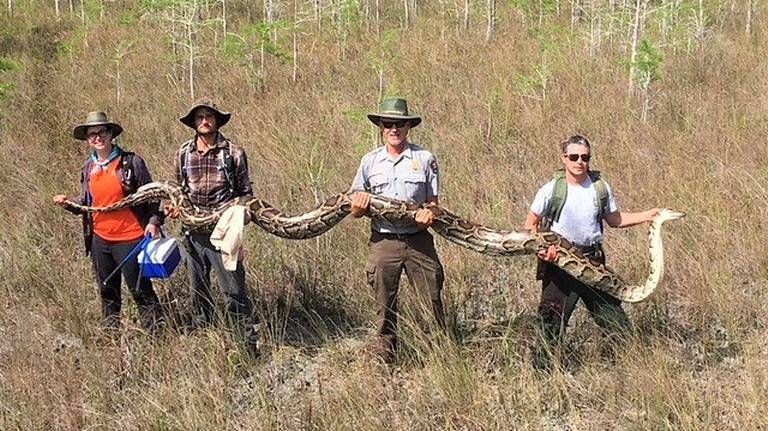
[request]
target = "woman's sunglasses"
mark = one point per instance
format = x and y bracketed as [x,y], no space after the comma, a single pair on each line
[100,133]
[574,157]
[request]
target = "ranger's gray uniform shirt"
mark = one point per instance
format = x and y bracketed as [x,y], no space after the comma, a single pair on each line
[412,176]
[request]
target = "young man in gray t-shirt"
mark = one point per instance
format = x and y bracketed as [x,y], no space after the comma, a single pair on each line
[580,222]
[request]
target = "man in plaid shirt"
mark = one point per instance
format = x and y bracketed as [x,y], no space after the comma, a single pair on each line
[212,170]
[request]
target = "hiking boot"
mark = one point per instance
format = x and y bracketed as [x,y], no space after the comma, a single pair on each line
[152,319]
[381,349]
[252,340]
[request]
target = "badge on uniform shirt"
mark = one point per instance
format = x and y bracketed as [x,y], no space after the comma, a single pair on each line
[433,166]
[415,165]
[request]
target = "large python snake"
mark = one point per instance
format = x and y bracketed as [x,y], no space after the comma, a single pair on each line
[452,227]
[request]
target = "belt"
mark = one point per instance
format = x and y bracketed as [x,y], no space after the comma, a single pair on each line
[595,249]
[396,236]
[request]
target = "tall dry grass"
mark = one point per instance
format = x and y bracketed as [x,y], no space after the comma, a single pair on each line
[698,360]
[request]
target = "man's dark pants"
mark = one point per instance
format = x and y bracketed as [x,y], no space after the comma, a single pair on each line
[560,294]
[201,256]
[389,255]
[106,256]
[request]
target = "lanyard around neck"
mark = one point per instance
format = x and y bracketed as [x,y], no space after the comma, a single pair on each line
[112,156]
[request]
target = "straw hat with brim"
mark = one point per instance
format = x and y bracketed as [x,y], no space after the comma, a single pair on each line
[222,118]
[394,109]
[93,119]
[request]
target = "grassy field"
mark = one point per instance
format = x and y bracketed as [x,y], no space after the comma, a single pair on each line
[494,111]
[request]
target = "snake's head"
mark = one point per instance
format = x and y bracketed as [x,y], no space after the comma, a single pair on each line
[666,214]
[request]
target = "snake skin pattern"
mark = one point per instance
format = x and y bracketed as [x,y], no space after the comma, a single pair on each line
[452,227]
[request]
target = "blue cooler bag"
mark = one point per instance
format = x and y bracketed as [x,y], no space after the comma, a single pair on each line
[159,258]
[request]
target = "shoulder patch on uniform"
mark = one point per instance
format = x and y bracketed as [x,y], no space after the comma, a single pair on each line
[433,166]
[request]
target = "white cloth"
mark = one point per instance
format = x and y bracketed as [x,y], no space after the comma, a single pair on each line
[227,236]
[578,220]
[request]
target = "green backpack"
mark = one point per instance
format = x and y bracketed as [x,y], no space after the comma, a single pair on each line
[560,193]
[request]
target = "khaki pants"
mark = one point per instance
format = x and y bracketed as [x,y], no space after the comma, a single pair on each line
[389,255]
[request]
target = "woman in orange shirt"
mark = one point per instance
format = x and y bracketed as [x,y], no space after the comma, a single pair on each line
[108,175]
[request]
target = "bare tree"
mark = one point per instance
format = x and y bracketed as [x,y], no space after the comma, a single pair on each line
[576,9]
[295,69]
[700,22]
[491,15]
[189,21]
[443,18]
[270,15]
[750,16]
[466,14]
[406,14]
[224,17]
[185,24]
[122,49]
[541,12]
[637,21]
[57,8]
[83,14]
[595,28]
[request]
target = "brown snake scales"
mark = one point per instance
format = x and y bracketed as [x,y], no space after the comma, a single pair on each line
[471,235]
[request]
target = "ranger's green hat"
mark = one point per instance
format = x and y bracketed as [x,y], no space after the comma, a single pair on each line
[95,118]
[394,108]
[221,117]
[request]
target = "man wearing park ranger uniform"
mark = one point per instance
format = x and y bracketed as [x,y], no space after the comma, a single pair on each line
[404,171]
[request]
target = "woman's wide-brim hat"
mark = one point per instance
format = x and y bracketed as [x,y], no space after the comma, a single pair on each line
[394,109]
[222,117]
[95,118]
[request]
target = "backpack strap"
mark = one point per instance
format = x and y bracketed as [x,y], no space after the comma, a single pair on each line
[85,177]
[560,192]
[601,194]
[128,172]
[556,202]
[228,166]
[183,154]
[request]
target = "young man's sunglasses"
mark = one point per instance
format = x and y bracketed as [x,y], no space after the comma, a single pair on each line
[574,157]
[394,124]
